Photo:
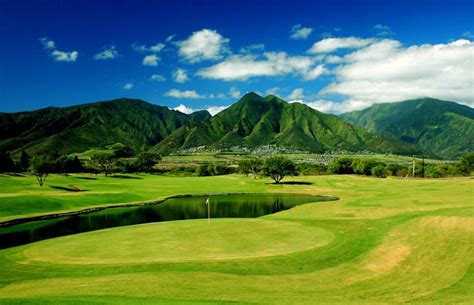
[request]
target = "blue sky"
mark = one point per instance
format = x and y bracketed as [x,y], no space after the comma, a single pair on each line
[335,56]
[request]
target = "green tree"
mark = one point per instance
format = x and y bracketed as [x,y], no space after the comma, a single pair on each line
[103,160]
[379,171]
[251,166]
[24,162]
[123,152]
[146,160]
[41,166]
[467,163]
[341,166]
[6,162]
[279,167]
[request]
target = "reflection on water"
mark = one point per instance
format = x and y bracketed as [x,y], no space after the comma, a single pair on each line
[222,206]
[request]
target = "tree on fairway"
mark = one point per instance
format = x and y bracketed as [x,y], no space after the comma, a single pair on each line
[104,160]
[6,162]
[146,160]
[279,167]
[251,166]
[41,167]
[24,163]
[467,163]
[341,166]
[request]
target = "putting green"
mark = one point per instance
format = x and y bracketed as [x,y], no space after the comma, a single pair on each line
[191,240]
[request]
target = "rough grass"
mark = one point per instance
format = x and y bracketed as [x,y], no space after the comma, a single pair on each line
[386,241]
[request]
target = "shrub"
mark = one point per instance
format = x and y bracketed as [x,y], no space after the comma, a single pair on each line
[341,166]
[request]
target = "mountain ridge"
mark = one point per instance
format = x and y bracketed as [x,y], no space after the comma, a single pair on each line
[270,120]
[444,128]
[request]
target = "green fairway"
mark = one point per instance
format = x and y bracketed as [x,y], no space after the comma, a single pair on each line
[386,241]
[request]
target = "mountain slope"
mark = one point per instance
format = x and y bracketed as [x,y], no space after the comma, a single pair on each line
[77,128]
[446,129]
[255,121]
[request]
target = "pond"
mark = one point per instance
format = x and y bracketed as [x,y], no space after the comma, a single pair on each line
[175,208]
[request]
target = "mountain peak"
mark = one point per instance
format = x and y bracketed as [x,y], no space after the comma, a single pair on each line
[250,95]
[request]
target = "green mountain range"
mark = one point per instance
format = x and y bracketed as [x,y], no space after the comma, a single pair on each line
[446,129]
[255,121]
[78,128]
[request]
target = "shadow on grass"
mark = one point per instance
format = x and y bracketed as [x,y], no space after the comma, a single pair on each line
[292,183]
[87,178]
[125,177]
[69,188]
[13,175]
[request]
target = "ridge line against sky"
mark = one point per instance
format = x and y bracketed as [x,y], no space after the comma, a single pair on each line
[332,62]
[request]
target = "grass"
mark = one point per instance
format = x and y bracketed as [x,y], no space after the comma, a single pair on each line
[385,241]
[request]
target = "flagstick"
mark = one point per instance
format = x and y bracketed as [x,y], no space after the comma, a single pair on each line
[209,211]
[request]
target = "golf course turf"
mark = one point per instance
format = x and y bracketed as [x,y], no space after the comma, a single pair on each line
[386,241]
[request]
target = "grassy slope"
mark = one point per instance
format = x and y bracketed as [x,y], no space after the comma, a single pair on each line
[78,128]
[385,241]
[255,121]
[444,128]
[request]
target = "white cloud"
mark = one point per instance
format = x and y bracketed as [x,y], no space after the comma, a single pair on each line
[128,86]
[170,38]
[203,45]
[50,47]
[383,30]
[385,71]
[151,49]
[332,59]
[157,78]
[296,94]
[180,76]
[150,60]
[272,91]
[191,94]
[47,43]
[300,32]
[234,92]
[243,67]
[108,53]
[332,44]
[258,47]
[213,110]
[65,56]
[184,109]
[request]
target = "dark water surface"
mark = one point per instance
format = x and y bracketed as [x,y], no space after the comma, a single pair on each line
[190,207]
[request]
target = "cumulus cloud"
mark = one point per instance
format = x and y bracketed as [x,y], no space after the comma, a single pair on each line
[272,91]
[180,76]
[213,110]
[108,53]
[243,67]
[300,32]
[150,60]
[128,86]
[50,46]
[296,94]
[191,94]
[383,30]
[148,49]
[202,45]
[157,78]
[386,71]
[184,109]
[258,47]
[332,44]
[234,92]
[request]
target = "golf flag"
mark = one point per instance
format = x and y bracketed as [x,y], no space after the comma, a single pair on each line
[208,210]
